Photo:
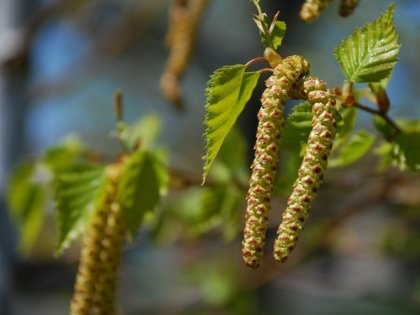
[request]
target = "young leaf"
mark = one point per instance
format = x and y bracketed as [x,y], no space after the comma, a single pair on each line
[355,148]
[275,38]
[143,181]
[228,90]
[79,193]
[277,35]
[370,53]
[28,193]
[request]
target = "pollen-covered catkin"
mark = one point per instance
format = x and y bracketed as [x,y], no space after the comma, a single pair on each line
[347,7]
[266,147]
[311,171]
[311,9]
[184,18]
[96,281]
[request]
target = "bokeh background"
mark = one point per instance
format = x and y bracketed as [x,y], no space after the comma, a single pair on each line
[60,62]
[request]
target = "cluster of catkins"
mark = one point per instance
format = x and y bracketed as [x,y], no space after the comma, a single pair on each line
[311,9]
[290,80]
[96,282]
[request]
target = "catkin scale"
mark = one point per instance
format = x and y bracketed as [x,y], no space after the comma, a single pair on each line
[310,173]
[264,166]
[96,281]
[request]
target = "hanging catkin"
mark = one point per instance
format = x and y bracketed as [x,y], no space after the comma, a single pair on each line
[266,147]
[347,7]
[96,282]
[314,163]
[311,9]
[184,18]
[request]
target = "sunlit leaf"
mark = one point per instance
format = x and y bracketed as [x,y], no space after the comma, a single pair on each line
[228,90]
[275,38]
[371,52]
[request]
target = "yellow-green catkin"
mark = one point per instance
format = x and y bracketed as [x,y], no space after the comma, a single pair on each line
[311,9]
[311,172]
[264,166]
[184,18]
[347,7]
[97,277]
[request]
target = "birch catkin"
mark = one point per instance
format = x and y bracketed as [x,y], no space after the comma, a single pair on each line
[311,9]
[95,288]
[266,147]
[347,7]
[184,18]
[314,163]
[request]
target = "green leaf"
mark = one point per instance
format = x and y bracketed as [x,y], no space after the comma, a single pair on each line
[79,193]
[228,90]
[28,193]
[143,182]
[276,36]
[351,151]
[370,53]
[297,127]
